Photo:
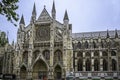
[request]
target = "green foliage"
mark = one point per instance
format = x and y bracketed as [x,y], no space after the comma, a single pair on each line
[8,8]
[3,39]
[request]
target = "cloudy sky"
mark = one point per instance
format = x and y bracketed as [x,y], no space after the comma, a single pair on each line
[85,15]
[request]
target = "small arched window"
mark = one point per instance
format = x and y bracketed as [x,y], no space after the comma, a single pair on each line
[88,65]
[113,53]
[86,44]
[46,54]
[58,55]
[105,65]
[102,44]
[94,44]
[114,65]
[88,54]
[35,54]
[80,65]
[79,54]
[79,45]
[96,65]
[104,53]
[96,53]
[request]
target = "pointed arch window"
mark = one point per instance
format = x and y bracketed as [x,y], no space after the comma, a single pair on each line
[86,44]
[96,53]
[105,53]
[79,45]
[35,54]
[88,65]
[102,44]
[94,44]
[79,54]
[88,54]
[96,65]
[80,65]
[58,55]
[113,53]
[46,54]
[25,57]
[114,65]
[105,65]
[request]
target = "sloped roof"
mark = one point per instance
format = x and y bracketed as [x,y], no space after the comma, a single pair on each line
[102,34]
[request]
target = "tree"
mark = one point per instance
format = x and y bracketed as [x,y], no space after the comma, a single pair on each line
[3,39]
[8,9]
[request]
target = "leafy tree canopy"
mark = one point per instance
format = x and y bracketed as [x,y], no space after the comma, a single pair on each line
[8,9]
[3,39]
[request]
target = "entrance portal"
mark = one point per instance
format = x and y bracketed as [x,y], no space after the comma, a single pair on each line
[58,73]
[40,70]
[23,73]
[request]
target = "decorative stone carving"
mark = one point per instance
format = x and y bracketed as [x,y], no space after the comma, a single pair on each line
[42,33]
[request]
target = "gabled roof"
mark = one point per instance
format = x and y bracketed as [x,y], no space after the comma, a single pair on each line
[44,16]
[97,34]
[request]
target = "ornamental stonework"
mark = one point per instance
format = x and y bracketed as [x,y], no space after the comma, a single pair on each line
[42,33]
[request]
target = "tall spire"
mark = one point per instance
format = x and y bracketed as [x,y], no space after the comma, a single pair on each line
[22,20]
[53,7]
[66,16]
[116,34]
[33,17]
[108,34]
[53,11]
[34,10]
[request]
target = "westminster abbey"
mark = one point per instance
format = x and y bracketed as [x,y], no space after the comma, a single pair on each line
[46,49]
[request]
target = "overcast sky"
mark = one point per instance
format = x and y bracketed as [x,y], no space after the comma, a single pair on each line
[85,15]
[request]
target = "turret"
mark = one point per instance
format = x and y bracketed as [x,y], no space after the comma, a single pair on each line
[116,34]
[107,34]
[33,17]
[53,11]
[22,23]
[66,19]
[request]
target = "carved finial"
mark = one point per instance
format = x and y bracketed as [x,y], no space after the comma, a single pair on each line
[34,10]
[53,11]
[66,16]
[99,35]
[116,34]
[91,35]
[44,6]
[22,20]
[108,34]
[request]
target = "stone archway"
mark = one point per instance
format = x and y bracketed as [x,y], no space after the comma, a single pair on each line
[23,73]
[40,70]
[57,73]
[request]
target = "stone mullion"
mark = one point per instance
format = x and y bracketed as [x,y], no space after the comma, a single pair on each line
[84,68]
[92,61]
[101,61]
[76,65]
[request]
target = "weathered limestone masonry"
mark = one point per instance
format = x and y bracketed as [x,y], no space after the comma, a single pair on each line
[48,49]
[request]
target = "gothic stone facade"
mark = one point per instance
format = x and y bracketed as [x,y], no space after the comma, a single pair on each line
[48,49]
